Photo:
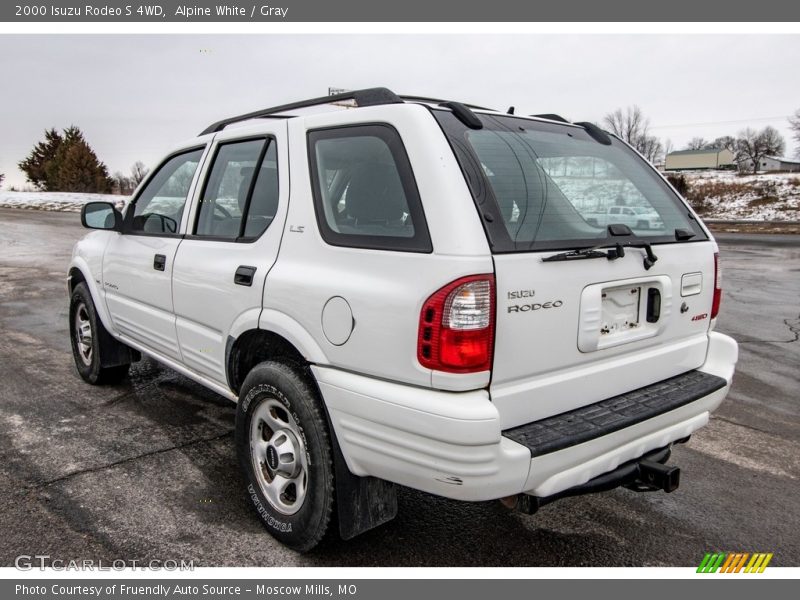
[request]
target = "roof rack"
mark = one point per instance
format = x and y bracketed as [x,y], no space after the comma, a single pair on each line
[442,101]
[365,97]
[551,117]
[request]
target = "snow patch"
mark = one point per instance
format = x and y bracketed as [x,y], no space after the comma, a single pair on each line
[56,201]
[725,195]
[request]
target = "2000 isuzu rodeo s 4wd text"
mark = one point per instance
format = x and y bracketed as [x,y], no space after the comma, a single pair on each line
[403,290]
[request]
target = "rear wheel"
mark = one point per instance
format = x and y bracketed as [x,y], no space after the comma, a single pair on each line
[284,450]
[90,339]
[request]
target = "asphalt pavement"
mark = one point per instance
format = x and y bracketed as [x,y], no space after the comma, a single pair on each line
[146,470]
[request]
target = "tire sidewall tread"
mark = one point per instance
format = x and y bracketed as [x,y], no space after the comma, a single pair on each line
[290,385]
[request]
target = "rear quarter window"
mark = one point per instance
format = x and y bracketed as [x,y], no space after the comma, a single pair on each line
[365,195]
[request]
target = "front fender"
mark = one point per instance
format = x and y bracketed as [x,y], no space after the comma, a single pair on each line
[93,282]
[87,257]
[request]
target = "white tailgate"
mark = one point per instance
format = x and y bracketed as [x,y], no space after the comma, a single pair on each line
[574,333]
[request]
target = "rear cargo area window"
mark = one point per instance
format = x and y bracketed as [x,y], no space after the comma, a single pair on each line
[364,189]
[555,187]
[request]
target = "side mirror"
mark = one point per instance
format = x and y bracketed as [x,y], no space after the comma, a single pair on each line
[101,215]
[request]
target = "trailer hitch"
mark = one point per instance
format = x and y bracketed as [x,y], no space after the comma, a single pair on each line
[654,476]
[645,474]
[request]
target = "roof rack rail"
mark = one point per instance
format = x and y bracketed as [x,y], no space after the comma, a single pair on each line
[552,117]
[442,101]
[365,97]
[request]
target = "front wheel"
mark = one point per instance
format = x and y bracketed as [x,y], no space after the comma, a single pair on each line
[89,338]
[284,450]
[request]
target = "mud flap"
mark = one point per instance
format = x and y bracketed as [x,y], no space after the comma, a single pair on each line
[113,352]
[363,503]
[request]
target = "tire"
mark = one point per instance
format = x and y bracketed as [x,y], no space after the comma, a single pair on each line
[284,450]
[643,225]
[91,340]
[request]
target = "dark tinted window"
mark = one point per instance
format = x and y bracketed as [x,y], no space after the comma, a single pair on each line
[364,189]
[224,198]
[264,201]
[554,186]
[159,208]
[240,197]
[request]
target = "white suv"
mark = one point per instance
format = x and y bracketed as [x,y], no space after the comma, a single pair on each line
[400,290]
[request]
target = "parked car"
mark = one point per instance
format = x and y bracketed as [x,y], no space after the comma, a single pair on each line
[635,217]
[397,293]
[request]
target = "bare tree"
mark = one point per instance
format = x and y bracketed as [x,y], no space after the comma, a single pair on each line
[2,177]
[752,146]
[727,142]
[668,147]
[794,125]
[697,143]
[138,173]
[633,127]
[122,184]
[630,124]
[650,147]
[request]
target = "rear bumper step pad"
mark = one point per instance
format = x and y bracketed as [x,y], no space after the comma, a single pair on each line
[604,417]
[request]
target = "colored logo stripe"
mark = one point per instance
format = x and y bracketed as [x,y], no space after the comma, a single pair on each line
[711,562]
[734,562]
[758,563]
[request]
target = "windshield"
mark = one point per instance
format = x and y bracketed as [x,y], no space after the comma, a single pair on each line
[554,187]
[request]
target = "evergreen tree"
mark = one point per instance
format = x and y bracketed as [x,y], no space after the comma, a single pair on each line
[66,163]
[39,166]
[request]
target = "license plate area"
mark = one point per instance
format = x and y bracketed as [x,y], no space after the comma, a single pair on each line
[621,308]
[623,312]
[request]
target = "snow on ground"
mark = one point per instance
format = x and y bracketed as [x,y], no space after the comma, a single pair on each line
[726,195]
[58,201]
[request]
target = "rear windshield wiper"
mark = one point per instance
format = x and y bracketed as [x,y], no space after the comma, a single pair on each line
[582,253]
[618,251]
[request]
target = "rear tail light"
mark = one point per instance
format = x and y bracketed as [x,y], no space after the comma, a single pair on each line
[717,286]
[456,326]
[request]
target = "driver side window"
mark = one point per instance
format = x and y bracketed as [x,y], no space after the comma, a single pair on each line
[159,207]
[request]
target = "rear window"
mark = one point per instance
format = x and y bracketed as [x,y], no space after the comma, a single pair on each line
[543,186]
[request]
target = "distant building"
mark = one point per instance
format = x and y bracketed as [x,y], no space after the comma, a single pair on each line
[708,158]
[772,163]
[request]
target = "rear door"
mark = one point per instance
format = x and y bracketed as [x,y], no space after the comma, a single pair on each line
[573,332]
[231,244]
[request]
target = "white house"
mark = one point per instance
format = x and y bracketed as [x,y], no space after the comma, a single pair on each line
[772,163]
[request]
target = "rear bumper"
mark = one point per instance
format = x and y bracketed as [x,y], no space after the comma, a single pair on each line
[451,444]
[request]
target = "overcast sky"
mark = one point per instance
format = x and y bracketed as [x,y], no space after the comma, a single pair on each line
[134,96]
